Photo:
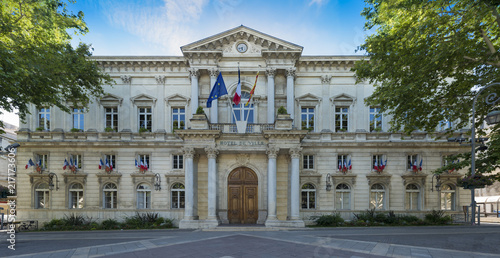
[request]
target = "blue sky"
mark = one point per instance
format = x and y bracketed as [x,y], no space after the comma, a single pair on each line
[161,27]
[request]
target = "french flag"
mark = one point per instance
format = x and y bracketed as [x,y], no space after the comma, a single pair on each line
[111,164]
[340,165]
[65,164]
[142,165]
[136,165]
[237,94]
[40,162]
[382,165]
[145,165]
[107,163]
[375,166]
[101,164]
[71,163]
[415,165]
[420,166]
[349,165]
[29,164]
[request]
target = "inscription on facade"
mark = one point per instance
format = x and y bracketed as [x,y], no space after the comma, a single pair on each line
[242,143]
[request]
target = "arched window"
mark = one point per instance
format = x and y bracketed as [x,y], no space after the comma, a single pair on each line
[178,196]
[412,201]
[448,197]
[343,197]
[241,111]
[76,196]
[308,196]
[377,197]
[42,196]
[143,196]
[110,196]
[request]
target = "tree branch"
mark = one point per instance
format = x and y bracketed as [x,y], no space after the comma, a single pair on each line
[488,42]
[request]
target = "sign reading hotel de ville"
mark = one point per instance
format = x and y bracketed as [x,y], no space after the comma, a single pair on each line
[242,143]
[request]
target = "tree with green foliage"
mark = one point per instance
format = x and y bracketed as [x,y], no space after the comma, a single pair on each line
[38,64]
[428,59]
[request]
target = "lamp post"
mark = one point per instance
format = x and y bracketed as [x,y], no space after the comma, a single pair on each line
[51,181]
[492,118]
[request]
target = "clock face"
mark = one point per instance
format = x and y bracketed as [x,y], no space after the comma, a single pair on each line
[242,47]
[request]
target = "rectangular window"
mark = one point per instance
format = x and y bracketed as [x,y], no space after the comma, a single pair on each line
[307,119]
[144,160]
[78,119]
[42,160]
[243,112]
[178,162]
[111,160]
[145,118]
[44,119]
[378,162]
[375,119]
[111,115]
[77,160]
[412,162]
[42,198]
[308,162]
[178,118]
[341,119]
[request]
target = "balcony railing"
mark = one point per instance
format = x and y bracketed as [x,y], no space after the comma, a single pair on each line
[231,128]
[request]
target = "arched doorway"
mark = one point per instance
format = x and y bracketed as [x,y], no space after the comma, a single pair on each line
[242,196]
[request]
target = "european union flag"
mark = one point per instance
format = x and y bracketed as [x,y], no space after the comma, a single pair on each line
[218,90]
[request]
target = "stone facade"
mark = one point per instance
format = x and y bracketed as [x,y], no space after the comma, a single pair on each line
[290,161]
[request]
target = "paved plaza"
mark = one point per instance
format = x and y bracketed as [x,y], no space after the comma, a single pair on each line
[226,242]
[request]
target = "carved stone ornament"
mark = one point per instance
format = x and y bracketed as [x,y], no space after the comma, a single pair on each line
[126,78]
[272,152]
[160,79]
[212,152]
[290,71]
[213,72]
[193,72]
[271,71]
[243,159]
[188,152]
[325,79]
[296,152]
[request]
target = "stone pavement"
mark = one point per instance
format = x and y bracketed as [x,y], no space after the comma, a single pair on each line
[226,242]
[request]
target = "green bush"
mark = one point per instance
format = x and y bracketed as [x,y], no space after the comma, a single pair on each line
[110,224]
[437,218]
[333,220]
[200,111]
[282,111]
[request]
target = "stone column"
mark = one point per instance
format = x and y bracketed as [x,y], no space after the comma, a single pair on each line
[212,186]
[290,92]
[326,113]
[270,94]
[214,72]
[295,154]
[272,153]
[193,75]
[189,182]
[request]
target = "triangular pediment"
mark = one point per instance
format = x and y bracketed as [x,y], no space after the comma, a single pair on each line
[343,97]
[143,99]
[226,41]
[111,100]
[309,97]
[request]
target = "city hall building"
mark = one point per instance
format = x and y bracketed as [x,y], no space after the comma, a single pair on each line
[143,148]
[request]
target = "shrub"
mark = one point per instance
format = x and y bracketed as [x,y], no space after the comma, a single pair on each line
[109,129]
[143,130]
[282,111]
[368,215]
[110,224]
[200,111]
[39,129]
[75,130]
[437,217]
[333,220]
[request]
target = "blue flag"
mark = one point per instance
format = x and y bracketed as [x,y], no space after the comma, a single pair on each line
[218,90]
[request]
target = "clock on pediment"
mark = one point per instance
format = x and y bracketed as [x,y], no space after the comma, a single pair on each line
[242,47]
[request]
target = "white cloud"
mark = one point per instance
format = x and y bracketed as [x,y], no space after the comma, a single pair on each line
[168,24]
[318,2]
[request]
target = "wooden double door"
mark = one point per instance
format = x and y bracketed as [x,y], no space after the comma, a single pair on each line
[242,197]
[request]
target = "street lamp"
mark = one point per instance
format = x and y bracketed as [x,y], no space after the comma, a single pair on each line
[51,181]
[492,118]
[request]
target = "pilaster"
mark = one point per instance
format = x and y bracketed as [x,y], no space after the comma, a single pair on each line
[290,92]
[270,72]
[193,75]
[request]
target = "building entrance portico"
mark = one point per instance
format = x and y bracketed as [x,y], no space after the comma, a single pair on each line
[242,196]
